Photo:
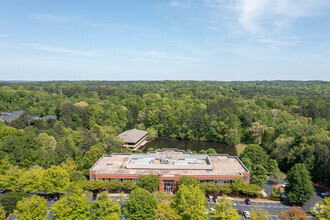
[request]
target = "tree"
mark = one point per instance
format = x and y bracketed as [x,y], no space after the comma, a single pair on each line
[2,213]
[93,155]
[128,185]
[149,182]
[30,181]
[152,133]
[55,179]
[187,181]
[321,210]
[32,208]
[275,194]
[293,214]
[257,131]
[299,187]
[258,213]
[190,202]
[47,142]
[9,200]
[255,154]
[141,205]
[105,208]
[258,175]
[272,166]
[73,205]
[9,175]
[114,185]
[238,184]
[223,209]
[277,176]
[165,212]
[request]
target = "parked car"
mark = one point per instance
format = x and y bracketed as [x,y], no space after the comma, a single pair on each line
[55,198]
[215,198]
[247,201]
[94,196]
[208,198]
[50,198]
[240,212]
[246,214]
[283,185]
[325,194]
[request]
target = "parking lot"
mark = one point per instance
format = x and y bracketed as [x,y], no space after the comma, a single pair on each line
[262,204]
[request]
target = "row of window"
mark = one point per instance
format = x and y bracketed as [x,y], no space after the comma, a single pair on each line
[119,179]
[216,181]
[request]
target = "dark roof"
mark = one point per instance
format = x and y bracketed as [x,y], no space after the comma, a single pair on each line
[11,116]
[45,117]
[132,136]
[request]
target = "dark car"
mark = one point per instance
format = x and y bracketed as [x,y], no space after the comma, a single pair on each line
[94,196]
[215,198]
[50,198]
[208,198]
[55,198]
[247,201]
[241,212]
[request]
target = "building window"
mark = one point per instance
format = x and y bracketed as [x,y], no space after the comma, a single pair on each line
[93,177]
[244,178]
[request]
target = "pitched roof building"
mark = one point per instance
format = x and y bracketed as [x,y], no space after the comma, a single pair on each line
[170,164]
[133,138]
[6,116]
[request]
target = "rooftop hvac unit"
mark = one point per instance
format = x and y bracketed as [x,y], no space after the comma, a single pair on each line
[169,155]
[142,161]
[181,162]
[164,161]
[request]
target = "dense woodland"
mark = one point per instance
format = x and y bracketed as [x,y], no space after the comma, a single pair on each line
[282,122]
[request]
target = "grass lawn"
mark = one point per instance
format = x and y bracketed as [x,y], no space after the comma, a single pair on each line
[240,148]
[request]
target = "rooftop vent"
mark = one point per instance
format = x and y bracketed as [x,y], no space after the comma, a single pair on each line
[169,155]
[109,164]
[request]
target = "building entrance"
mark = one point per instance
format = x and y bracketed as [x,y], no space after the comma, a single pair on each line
[168,186]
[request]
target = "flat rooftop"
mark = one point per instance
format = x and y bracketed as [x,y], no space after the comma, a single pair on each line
[169,161]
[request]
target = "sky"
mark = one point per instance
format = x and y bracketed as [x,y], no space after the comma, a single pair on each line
[222,40]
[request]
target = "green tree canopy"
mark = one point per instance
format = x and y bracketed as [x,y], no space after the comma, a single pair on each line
[105,208]
[55,179]
[258,213]
[149,182]
[187,181]
[2,213]
[141,205]
[73,205]
[32,208]
[224,210]
[299,187]
[190,202]
[164,211]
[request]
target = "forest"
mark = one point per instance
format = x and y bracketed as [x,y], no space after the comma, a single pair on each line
[287,122]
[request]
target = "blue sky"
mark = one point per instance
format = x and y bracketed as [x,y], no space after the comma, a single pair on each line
[165,40]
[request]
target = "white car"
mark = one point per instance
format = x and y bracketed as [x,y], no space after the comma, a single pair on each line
[325,194]
[246,214]
[283,185]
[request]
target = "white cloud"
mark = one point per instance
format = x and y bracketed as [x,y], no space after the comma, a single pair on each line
[256,16]
[46,48]
[181,4]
